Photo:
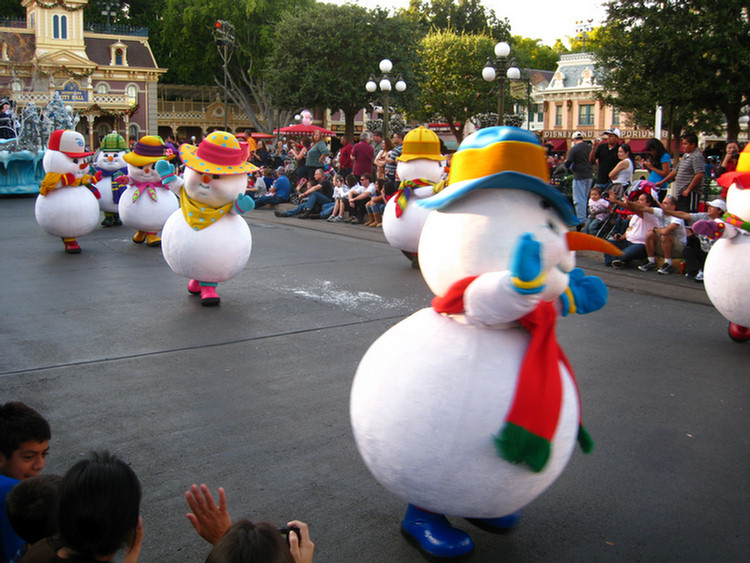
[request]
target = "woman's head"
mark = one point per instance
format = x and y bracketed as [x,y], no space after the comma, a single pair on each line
[733,148]
[98,506]
[246,542]
[624,152]
[317,136]
[655,150]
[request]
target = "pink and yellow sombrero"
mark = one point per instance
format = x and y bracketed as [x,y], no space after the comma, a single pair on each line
[219,153]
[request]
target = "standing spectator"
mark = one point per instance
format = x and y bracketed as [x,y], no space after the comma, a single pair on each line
[316,153]
[728,163]
[345,157]
[279,154]
[605,157]
[279,191]
[658,162]
[300,155]
[377,141]
[390,161]
[688,174]
[380,159]
[583,173]
[622,174]
[362,155]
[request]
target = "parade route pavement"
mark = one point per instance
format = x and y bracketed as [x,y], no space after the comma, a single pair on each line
[253,395]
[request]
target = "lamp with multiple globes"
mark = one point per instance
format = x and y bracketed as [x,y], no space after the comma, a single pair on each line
[385,85]
[502,69]
[224,38]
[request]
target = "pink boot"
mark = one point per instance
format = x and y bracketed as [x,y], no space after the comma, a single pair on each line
[71,246]
[194,287]
[209,297]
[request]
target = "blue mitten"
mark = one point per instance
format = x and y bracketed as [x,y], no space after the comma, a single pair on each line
[244,204]
[585,294]
[526,274]
[165,171]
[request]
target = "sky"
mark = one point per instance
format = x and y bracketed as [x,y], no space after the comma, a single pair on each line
[547,20]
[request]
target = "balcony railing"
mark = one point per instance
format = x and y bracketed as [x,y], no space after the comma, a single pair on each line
[116,29]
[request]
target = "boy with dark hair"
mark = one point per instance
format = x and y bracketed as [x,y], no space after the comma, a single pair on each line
[24,445]
[30,507]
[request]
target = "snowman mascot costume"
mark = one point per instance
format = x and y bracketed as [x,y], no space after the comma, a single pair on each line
[727,269]
[483,414]
[207,240]
[420,169]
[66,206]
[109,165]
[146,203]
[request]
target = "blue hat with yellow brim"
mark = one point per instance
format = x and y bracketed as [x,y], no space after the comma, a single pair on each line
[501,157]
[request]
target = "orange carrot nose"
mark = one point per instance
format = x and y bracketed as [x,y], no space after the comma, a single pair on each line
[582,241]
[110,158]
[206,178]
[83,165]
[146,170]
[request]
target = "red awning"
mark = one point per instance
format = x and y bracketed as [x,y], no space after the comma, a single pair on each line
[638,146]
[558,145]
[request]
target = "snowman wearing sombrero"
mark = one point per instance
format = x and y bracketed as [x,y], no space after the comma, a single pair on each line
[207,240]
[470,408]
[147,203]
[727,269]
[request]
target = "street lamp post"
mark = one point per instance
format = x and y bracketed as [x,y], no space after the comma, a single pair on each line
[584,27]
[384,82]
[503,69]
[224,37]
[108,9]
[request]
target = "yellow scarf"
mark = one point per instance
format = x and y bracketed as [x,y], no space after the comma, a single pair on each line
[199,215]
[51,179]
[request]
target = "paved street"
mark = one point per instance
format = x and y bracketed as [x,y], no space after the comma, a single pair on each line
[253,395]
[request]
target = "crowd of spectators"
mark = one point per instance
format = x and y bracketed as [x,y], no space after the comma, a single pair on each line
[92,513]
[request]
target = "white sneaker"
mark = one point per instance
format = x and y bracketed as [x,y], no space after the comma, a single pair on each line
[699,276]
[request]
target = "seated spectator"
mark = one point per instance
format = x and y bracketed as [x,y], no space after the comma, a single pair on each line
[598,211]
[279,154]
[376,206]
[256,184]
[97,514]
[358,197]
[669,236]
[340,189]
[318,193]
[279,192]
[24,444]
[244,541]
[31,509]
[262,157]
[633,241]
[697,246]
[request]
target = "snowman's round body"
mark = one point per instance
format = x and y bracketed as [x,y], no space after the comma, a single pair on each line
[110,161]
[66,211]
[433,392]
[403,231]
[219,251]
[145,213]
[727,267]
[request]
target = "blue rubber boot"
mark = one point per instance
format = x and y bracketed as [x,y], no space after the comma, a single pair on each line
[501,525]
[434,536]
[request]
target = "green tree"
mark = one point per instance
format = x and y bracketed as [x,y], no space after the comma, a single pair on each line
[323,57]
[12,9]
[469,16]
[451,86]
[531,53]
[691,56]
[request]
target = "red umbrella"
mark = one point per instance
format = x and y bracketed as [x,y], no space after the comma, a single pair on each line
[262,136]
[301,129]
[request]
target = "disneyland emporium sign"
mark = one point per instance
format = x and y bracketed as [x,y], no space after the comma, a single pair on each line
[624,134]
[72,93]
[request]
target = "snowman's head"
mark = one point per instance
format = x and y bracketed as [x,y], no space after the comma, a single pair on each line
[423,168]
[110,160]
[66,153]
[144,156]
[214,190]
[420,156]
[216,170]
[738,201]
[144,173]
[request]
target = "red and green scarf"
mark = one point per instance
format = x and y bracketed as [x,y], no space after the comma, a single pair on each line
[532,420]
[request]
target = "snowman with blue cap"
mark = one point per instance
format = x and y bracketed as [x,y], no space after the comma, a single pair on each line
[481,413]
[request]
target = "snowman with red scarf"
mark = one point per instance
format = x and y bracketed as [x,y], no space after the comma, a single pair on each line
[727,268]
[481,414]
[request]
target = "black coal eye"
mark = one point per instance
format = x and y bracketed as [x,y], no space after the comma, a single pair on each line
[75,161]
[552,226]
[544,204]
[216,176]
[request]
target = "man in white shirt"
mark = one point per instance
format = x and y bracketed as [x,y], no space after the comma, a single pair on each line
[670,236]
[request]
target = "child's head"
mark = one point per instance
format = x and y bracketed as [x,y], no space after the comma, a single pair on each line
[595,193]
[24,441]
[379,185]
[351,180]
[30,506]
[338,180]
[98,507]
[246,541]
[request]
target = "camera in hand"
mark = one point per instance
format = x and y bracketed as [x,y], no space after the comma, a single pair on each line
[284,531]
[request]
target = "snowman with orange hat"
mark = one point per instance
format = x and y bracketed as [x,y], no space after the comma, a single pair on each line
[420,169]
[726,273]
[147,203]
[207,240]
[67,205]
[481,414]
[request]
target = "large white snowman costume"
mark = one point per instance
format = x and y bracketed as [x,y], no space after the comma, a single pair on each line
[147,203]
[207,240]
[727,268]
[66,206]
[481,413]
[110,164]
[419,169]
